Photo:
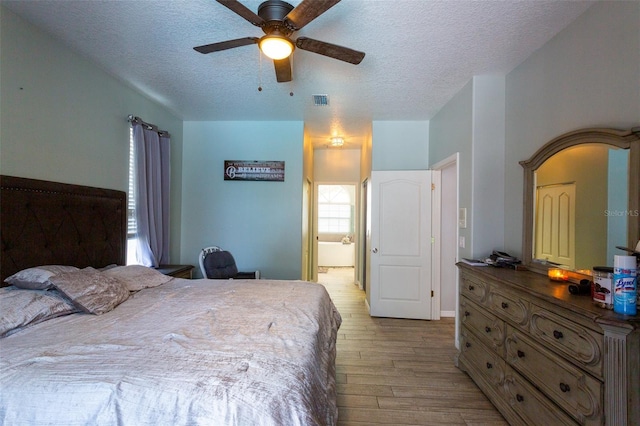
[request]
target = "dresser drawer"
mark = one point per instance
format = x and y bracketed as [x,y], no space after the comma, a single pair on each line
[486,362]
[576,391]
[486,326]
[579,344]
[508,306]
[530,404]
[474,288]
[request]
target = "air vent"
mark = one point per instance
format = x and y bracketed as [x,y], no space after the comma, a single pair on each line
[320,100]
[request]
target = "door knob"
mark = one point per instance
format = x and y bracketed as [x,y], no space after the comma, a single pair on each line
[375,250]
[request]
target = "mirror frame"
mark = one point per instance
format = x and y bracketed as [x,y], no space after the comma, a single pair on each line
[625,139]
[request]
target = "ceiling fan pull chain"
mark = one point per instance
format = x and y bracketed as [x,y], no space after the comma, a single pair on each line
[291,81]
[259,70]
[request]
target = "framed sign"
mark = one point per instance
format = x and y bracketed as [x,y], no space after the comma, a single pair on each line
[254,170]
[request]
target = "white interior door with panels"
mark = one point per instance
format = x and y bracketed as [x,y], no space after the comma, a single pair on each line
[401,244]
[555,224]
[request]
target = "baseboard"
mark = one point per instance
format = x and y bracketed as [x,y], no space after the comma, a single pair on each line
[447,314]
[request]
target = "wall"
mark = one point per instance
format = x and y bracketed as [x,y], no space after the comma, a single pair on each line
[260,222]
[450,131]
[365,158]
[472,124]
[617,202]
[488,147]
[63,119]
[363,253]
[336,165]
[586,76]
[400,145]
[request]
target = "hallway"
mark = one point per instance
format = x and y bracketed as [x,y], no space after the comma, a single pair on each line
[399,372]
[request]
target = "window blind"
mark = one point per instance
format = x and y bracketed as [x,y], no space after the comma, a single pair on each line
[131,202]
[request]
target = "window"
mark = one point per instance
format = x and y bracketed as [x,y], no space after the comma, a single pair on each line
[131,205]
[335,210]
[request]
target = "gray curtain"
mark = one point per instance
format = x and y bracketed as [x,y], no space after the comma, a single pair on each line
[152,187]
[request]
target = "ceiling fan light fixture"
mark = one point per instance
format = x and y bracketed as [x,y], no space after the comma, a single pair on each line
[276,46]
[337,141]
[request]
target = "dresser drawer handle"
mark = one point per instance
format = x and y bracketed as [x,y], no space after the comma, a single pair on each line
[520,354]
[519,397]
[505,305]
[471,288]
[487,329]
[468,345]
[489,365]
[467,313]
[564,387]
[557,334]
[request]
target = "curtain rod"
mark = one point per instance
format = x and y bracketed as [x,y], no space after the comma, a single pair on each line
[133,119]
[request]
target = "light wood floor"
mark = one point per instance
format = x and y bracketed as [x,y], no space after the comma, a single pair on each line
[399,372]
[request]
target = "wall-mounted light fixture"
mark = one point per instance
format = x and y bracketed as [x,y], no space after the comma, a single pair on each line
[276,46]
[337,141]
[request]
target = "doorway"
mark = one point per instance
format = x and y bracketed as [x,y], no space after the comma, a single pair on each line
[335,225]
[448,241]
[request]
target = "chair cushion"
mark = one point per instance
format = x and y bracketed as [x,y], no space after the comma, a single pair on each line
[220,265]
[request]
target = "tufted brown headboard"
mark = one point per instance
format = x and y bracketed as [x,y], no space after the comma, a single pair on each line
[45,223]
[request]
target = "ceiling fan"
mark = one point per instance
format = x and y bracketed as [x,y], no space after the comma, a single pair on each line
[278,19]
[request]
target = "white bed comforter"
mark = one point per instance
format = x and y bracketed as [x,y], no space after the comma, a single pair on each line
[189,352]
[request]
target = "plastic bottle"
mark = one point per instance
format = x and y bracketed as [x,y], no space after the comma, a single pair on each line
[625,285]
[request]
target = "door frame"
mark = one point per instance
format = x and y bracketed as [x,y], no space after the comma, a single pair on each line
[362,273]
[307,240]
[453,159]
[356,218]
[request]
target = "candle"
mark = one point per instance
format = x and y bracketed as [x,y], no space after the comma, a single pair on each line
[557,274]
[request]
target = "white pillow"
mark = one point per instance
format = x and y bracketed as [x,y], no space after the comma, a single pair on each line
[37,278]
[137,277]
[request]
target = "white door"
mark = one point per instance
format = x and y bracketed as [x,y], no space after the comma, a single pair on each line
[401,244]
[555,224]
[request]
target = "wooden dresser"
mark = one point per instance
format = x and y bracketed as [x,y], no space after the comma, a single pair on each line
[544,356]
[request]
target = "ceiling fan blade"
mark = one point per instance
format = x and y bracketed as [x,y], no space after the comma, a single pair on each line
[283,70]
[331,50]
[243,11]
[224,45]
[306,12]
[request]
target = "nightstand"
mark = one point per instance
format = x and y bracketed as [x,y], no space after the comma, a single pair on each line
[177,271]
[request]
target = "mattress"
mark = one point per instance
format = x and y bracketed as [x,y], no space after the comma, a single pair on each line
[189,352]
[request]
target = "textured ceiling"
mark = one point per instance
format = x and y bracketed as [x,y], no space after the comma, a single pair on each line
[419,53]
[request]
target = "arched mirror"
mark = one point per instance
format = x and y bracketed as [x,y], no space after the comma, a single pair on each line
[581,199]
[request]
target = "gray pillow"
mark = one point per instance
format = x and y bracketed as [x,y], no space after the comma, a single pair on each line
[137,277]
[22,308]
[90,290]
[37,278]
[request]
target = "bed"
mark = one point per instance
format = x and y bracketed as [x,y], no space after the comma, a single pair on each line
[127,345]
